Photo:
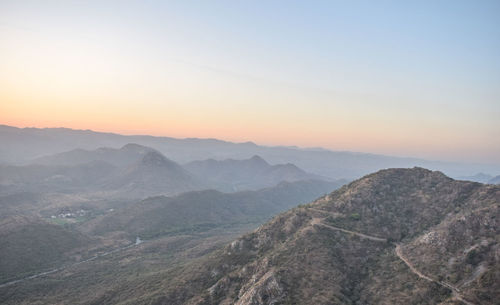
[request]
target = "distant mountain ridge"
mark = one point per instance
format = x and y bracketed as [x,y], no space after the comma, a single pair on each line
[22,145]
[495,180]
[47,178]
[154,174]
[136,171]
[479,177]
[126,155]
[253,173]
[133,171]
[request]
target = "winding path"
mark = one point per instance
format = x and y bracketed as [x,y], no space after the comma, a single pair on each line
[455,290]
[315,221]
[351,232]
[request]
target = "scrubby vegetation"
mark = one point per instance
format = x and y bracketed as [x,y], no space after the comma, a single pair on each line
[339,249]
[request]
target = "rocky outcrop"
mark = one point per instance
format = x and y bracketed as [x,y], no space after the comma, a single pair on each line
[340,249]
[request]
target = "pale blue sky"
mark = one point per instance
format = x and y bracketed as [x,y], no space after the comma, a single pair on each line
[418,78]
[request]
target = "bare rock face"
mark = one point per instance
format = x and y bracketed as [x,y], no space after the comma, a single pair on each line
[266,290]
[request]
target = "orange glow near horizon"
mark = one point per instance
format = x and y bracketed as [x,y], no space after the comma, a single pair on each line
[272,130]
[147,71]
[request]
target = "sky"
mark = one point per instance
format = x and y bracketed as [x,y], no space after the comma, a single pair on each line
[405,78]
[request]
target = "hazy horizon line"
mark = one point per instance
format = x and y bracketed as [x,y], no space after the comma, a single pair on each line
[297,147]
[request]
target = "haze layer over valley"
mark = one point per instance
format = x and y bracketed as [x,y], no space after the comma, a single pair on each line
[399,236]
[42,146]
[249,152]
[79,208]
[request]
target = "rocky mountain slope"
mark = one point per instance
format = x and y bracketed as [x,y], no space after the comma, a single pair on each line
[399,236]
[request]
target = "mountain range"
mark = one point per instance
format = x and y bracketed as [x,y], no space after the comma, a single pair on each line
[397,236]
[253,173]
[400,236]
[136,171]
[479,177]
[94,218]
[494,180]
[23,145]
[124,156]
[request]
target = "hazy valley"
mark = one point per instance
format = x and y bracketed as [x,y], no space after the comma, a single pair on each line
[135,227]
[341,249]
[81,208]
[249,152]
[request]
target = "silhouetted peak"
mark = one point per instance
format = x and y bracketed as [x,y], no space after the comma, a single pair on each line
[399,177]
[258,160]
[136,148]
[248,143]
[495,180]
[290,165]
[154,158]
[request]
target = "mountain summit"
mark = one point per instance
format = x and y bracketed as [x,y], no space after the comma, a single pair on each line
[248,174]
[124,156]
[155,159]
[399,236]
[153,175]
[257,160]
